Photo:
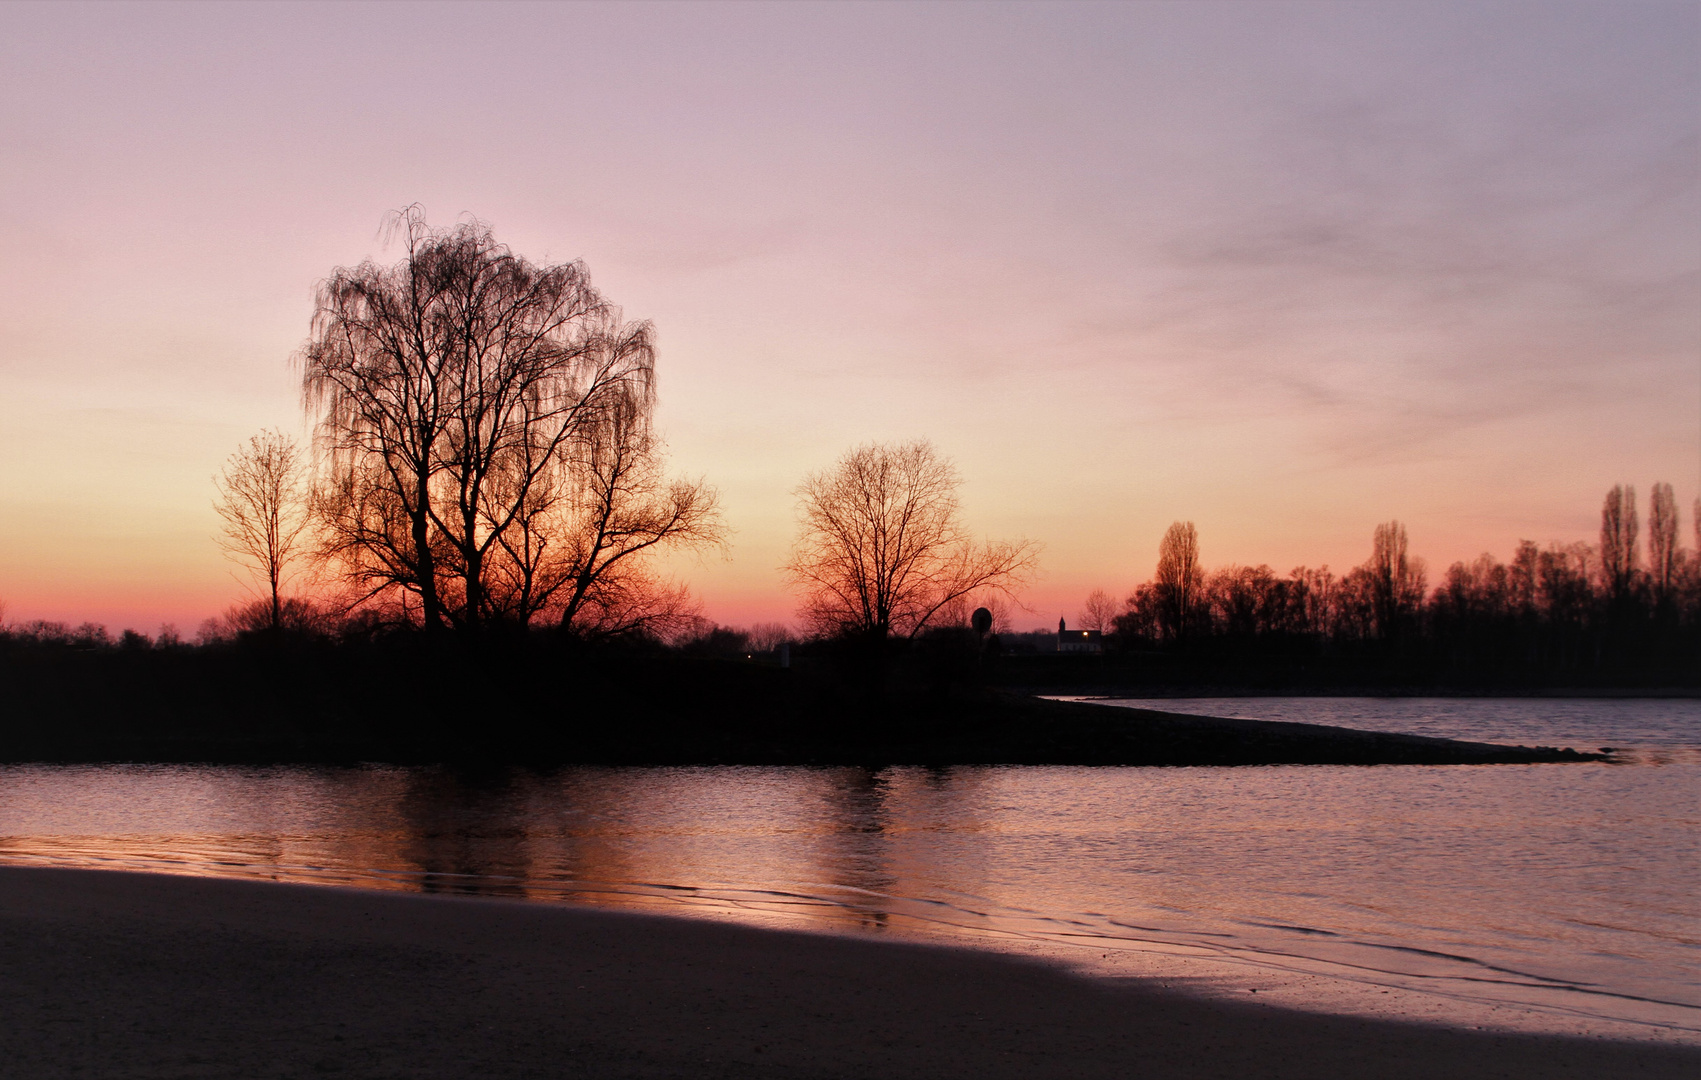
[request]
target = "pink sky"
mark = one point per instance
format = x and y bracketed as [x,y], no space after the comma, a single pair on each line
[1284,270]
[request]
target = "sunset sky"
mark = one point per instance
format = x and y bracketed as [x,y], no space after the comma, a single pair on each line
[1284,270]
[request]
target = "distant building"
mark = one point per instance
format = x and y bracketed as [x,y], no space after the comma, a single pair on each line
[1078,641]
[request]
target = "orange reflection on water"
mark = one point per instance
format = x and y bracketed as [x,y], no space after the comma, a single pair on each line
[1554,885]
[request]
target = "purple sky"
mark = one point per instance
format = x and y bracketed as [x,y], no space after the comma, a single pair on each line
[1285,270]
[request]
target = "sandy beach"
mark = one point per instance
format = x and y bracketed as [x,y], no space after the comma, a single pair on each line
[106,974]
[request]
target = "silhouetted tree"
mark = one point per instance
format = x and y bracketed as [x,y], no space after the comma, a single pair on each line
[1355,605]
[1618,541]
[1567,601]
[769,636]
[485,423]
[1689,567]
[1178,579]
[1099,613]
[1471,614]
[1244,601]
[882,550]
[1138,621]
[1662,541]
[1522,579]
[1396,581]
[1475,591]
[262,500]
[1311,601]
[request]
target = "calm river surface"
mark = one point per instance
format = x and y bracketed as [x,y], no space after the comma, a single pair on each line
[1566,888]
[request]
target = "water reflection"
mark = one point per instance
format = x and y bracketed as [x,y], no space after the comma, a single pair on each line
[1566,886]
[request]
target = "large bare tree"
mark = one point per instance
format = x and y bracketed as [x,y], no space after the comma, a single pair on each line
[262,501]
[882,549]
[469,406]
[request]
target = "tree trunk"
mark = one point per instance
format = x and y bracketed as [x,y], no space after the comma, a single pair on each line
[431,607]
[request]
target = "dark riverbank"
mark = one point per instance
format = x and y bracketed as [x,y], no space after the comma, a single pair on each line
[114,974]
[537,703]
[1205,673]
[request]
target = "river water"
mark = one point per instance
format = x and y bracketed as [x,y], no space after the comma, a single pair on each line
[1559,891]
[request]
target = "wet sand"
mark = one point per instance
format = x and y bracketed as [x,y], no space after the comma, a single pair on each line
[106,974]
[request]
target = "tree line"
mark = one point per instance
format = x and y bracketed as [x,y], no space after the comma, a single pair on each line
[1617,605]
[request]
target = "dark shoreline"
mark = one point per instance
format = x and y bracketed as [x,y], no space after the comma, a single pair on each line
[1011,731]
[538,706]
[1232,690]
[125,974]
